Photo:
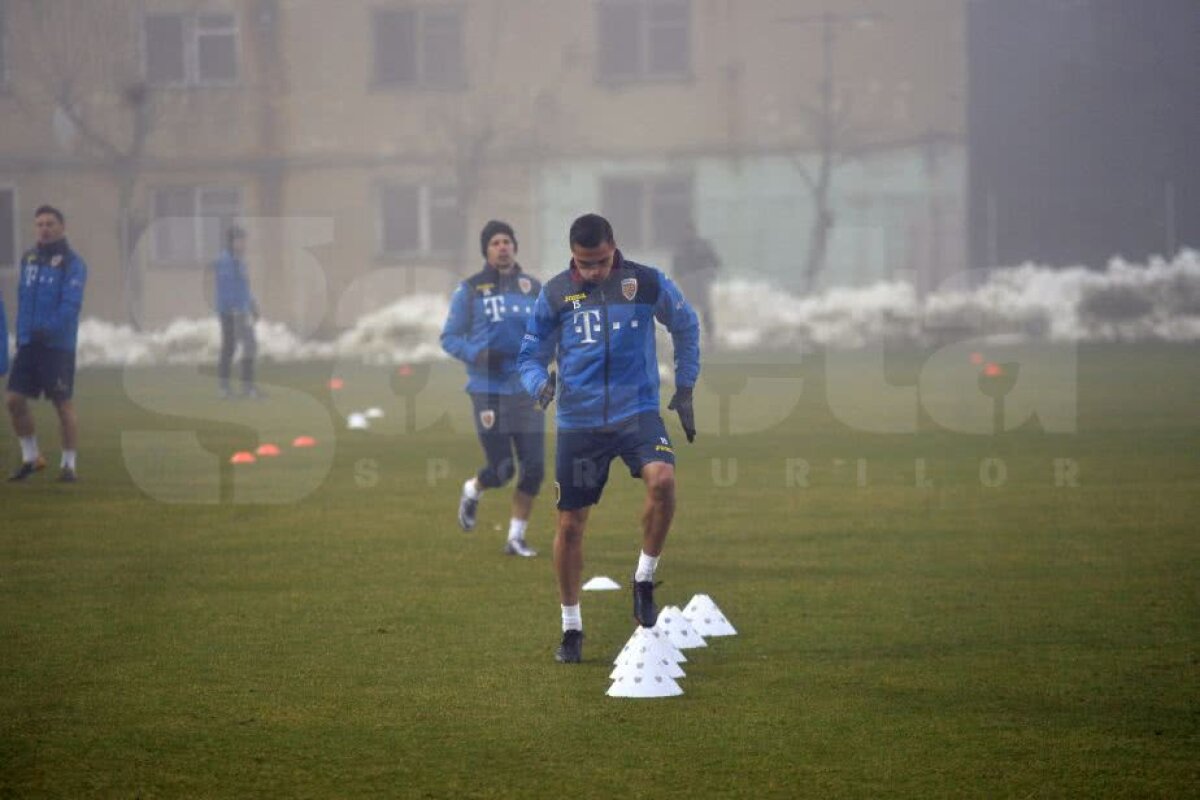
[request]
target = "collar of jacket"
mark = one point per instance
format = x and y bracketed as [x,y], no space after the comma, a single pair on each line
[46,252]
[495,274]
[576,278]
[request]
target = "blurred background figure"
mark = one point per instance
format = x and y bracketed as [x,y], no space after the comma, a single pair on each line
[694,266]
[238,312]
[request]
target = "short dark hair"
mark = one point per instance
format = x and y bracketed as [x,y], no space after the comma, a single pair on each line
[234,232]
[50,210]
[591,230]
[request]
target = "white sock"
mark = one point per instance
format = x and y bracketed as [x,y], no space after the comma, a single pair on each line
[516,528]
[572,619]
[68,459]
[29,449]
[645,568]
[471,489]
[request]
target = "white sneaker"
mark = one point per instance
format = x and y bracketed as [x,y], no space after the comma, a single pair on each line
[517,547]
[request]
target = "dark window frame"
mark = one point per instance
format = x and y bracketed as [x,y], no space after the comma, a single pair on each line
[14,228]
[644,30]
[428,194]
[201,229]
[192,32]
[415,75]
[652,229]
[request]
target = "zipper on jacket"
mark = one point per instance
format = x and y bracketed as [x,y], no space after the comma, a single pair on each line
[604,318]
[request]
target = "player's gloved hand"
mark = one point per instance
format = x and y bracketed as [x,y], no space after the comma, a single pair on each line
[681,404]
[545,395]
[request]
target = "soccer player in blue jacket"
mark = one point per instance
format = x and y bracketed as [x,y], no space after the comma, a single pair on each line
[50,283]
[487,318]
[237,312]
[599,315]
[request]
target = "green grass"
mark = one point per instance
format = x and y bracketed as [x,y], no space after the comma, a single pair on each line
[337,636]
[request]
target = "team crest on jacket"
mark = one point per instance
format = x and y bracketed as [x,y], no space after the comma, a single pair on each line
[487,418]
[525,284]
[54,262]
[629,288]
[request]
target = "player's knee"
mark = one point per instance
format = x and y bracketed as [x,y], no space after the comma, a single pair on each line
[16,403]
[570,527]
[532,476]
[661,485]
[505,471]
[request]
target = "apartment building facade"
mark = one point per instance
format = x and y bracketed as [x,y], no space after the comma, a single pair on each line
[364,143]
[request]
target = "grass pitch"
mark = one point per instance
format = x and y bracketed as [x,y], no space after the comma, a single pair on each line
[317,626]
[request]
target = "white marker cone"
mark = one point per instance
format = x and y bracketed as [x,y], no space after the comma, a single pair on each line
[706,618]
[644,686]
[648,648]
[357,422]
[601,583]
[659,641]
[678,630]
[648,662]
[373,413]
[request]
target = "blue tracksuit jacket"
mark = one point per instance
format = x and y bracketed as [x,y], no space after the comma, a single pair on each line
[488,311]
[233,286]
[604,335]
[50,296]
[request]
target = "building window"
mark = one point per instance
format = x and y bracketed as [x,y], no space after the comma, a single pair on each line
[419,220]
[647,213]
[420,48]
[190,222]
[8,227]
[191,49]
[643,40]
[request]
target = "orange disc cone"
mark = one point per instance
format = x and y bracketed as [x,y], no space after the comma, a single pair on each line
[976,358]
[304,441]
[242,457]
[993,370]
[336,383]
[404,371]
[267,450]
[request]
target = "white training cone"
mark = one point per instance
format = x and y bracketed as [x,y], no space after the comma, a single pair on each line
[373,413]
[601,583]
[357,422]
[678,630]
[658,640]
[706,618]
[648,650]
[644,686]
[651,662]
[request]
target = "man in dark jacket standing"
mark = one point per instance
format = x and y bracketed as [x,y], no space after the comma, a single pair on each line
[49,298]
[237,311]
[487,318]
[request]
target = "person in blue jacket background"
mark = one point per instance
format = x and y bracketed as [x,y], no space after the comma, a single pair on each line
[487,318]
[237,311]
[50,282]
[599,316]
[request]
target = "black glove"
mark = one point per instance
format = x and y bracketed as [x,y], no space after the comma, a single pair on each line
[492,360]
[681,403]
[545,395]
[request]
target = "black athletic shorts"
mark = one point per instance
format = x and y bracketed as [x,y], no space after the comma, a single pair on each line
[40,370]
[584,455]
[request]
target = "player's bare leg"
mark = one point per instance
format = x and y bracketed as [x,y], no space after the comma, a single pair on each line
[69,425]
[23,427]
[568,566]
[659,478]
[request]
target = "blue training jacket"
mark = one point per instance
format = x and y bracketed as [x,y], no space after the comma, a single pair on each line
[604,335]
[233,286]
[3,337]
[50,296]
[488,311]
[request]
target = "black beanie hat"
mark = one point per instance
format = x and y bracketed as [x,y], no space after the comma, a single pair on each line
[493,227]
